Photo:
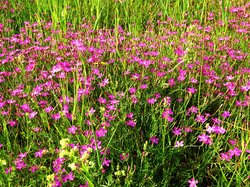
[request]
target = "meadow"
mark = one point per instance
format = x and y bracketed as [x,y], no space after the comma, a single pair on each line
[116,93]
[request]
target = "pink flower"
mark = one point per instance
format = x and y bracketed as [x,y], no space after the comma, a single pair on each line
[130,115]
[56,116]
[205,139]
[179,144]
[124,156]
[191,90]
[26,108]
[32,115]
[72,130]
[176,131]
[105,162]
[225,156]
[48,109]
[225,114]
[12,123]
[131,123]
[33,169]
[101,132]
[132,90]
[151,100]
[192,182]
[154,140]
[234,152]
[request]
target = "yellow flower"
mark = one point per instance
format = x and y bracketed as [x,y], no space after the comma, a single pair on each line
[64,142]
[72,166]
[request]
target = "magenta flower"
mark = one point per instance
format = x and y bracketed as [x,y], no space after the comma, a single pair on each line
[22,155]
[12,123]
[102,100]
[72,130]
[193,110]
[151,100]
[154,140]
[124,156]
[225,114]
[131,123]
[26,108]
[234,152]
[232,142]
[191,90]
[130,115]
[33,169]
[132,90]
[48,109]
[176,131]
[8,170]
[225,156]
[39,153]
[200,119]
[205,139]
[105,162]
[56,116]
[32,115]
[144,86]
[192,182]
[101,132]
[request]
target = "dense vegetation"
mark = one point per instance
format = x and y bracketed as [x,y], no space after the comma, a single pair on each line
[124,93]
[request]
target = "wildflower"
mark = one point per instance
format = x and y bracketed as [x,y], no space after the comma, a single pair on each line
[191,90]
[151,100]
[48,109]
[40,153]
[225,156]
[64,142]
[200,119]
[102,100]
[235,152]
[105,162]
[144,86]
[188,129]
[171,82]
[179,144]
[22,155]
[154,140]
[12,123]
[67,177]
[8,170]
[130,115]
[192,110]
[176,131]
[104,83]
[56,116]
[33,169]
[131,123]
[32,115]
[26,108]
[124,156]
[225,114]
[205,139]
[101,132]
[232,142]
[192,182]
[72,130]
[132,90]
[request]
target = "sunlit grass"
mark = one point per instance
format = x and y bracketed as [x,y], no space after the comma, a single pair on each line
[101,93]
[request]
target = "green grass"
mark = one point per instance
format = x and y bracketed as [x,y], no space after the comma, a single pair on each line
[74,48]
